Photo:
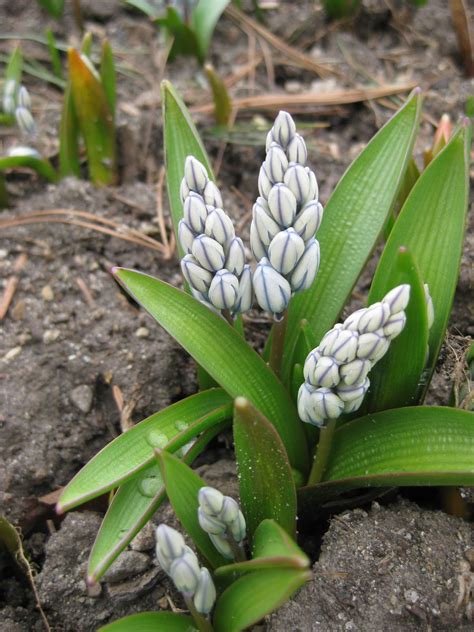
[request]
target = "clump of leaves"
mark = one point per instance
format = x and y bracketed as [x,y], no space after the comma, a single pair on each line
[331,407]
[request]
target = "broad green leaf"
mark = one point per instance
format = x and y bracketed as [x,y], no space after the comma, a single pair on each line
[131,508]
[181,139]
[272,548]
[394,381]
[182,486]
[220,96]
[255,595]
[204,19]
[131,451]
[95,119]
[353,219]
[108,75]
[223,353]
[14,68]
[42,166]
[431,226]
[419,445]
[151,622]
[267,489]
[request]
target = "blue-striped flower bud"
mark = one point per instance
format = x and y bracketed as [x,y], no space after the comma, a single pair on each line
[222,545]
[326,373]
[349,393]
[352,321]
[210,524]
[265,225]
[212,196]
[282,205]
[313,185]
[283,128]
[256,245]
[272,290]
[374,317]
[345,347]
[186,236]
[326,404]
[9,96]
[208,252]
[238,528]
[230,510]
[195,175]
[297,180]
[25,120]
[24,99]
[310,364]
[219,226]
[296,150]
[328,340]
[394,325]
[223,289]
[197,277]
[169,545]
[372,346]
[184,190]
[211,500]
[307,267]
[429,305]
[264,182]
[276,163]
[285,250]
[304,404]
[308,220]
[235,260]
[397,299]
[185,573]
[354,404]
[355,372]
[195,212]
[205,595]
[245,294]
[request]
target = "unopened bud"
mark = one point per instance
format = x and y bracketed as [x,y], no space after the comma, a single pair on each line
[372,346]
[258,248]
[296,150]
[265,225]
[184,190]
[223,290]
[282,204]
[195,212]
[25,120]
[238,528]
[222,545]
[208,252]
[310,365]
[297,180]
[170,542]
[24,99]
[212,196]
[210,524]
[197,277]
[397,299]
[352,322]
[313,185]
[219,226]
[230,510]
[276,163]
[349,393]
[429,305]
[394,325]
[235,260]
[345,347]
[185,573]
[245,294]
[307,267]
[285,250]
[185,236]
[355,372]
[374,317]
[211,500]
[264,182]
[308,220]
[326,373]
[283,129]
[205,595]
[195,174]
[272,290]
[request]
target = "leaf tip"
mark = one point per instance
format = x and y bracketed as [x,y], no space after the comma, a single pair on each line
[60,508]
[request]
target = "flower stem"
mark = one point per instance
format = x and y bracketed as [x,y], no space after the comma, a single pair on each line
[203,624]
[278,343]
[323,452]
[228,316]
[237,550]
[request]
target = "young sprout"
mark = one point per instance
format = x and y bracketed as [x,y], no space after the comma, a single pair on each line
[286,216]
[214,263]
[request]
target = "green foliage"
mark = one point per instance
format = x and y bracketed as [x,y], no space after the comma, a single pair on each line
[337,9]
[55,8]
[150,622]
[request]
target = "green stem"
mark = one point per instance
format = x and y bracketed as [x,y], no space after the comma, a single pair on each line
[278,343]
[228,316]
[203,624]
[323,452]
[239,553]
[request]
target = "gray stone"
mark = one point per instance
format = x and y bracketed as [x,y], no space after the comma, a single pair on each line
[81,397]
[128,564]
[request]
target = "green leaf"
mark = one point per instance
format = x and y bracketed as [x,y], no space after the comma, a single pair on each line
[267,489]
[272,548]
[69,163]
[394,381]
[419,445]
[14,68]
[431,226]
[146,6]
[151,622]
[253,596]
[204,19]
[181,139]
[184,40]
[42,166]
[353,219]
[223,353]
[108,75]
[182,487]
[55,8]
[131,451]
[54,54]
[220,95]
[305,342]
[132,506]
[95,119]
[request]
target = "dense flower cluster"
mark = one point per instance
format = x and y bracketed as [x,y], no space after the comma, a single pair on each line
[221,518]
[286,217]
[214,265]
[336,371]
[17,102]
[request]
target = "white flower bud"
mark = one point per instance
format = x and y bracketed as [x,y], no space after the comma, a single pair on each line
[310,365]
[265,225]
[212,196]
[169,541]
[282,204]
[285,250]
[297,180]
[24,99]
[355,372]
[370,345]
[185,573]
[354,404]
[195,212]
[269,140]
[9,91]
[195,174]
[21,150]
[304,404]
[429,305]
[8,104]
[210,524]
[349,393]
[223,290]
[222,545]
[272,290]
[307,268]
[308,220]
[245,294]
[235,260]
[184,190]
[397,299]
[197,277]
[25,120]
[238,528]
[211,500]
[284,128]
[296,150]
[205,595]
[264,182]
[276,163]
[185,236]
[324,404]
[219,226]
[394,325]
[258,249]
[352,322]
[326,373]
[230,510]
[313,185]
[374,317]
[382,348]
[345,347]
[328,340]
[208,252]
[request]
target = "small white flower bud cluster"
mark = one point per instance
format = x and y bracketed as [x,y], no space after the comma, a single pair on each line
[336,371]
[181,564]
[214,264]
[221,518]
[286,217]
[17,102]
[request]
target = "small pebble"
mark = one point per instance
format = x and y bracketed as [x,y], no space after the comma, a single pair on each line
[142,332]
[292,86]
[12,354]
[51,335]
[47,293]
[81,397]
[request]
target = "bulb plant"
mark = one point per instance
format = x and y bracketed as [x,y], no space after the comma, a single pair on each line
[330,406]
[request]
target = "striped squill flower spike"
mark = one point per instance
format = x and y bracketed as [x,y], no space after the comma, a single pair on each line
[23,115]
[214,263]
[336,371]
[285,218]
[221,518]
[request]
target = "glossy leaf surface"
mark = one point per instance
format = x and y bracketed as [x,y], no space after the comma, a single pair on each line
[151,622]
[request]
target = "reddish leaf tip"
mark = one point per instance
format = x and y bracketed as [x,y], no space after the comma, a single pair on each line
[59,509]
[241,403]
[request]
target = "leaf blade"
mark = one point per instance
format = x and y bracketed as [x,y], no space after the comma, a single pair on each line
[150,622]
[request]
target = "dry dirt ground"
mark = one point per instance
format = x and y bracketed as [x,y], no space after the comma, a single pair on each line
[71,338]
